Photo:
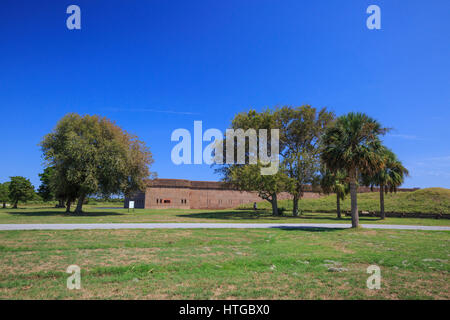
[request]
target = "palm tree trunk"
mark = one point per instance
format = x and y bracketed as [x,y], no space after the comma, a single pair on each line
[338,205]
[295,206]
[274,205]
[382,214]
[79,207]
[354,204]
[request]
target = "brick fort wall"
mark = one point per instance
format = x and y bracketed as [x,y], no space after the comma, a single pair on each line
[187,194]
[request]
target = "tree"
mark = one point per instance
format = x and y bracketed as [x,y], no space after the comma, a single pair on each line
[246,175]
[45,190]
[20,189]
[4,193]
[352,145]
[249,178]
[335,182]
[54,188]
[66,191]
[387,178]
[91,154]
[300,132]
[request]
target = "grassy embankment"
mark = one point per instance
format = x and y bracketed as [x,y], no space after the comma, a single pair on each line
[430,200]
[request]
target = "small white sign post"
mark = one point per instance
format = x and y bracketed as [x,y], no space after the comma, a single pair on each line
[130,205]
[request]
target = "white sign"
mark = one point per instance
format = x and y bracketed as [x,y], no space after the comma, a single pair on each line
[131,204]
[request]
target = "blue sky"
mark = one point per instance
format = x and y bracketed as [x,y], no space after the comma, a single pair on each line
[155,66]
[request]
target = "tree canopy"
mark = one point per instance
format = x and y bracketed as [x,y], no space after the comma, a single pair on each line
[352,144]
[300,132]
[20,189]
[248,176]
[4,193]
[45,190]
[335,182]
[388,177]
[91,154]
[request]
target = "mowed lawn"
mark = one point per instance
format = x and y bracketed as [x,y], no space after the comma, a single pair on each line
[225,264]
[432,201]
[98,214]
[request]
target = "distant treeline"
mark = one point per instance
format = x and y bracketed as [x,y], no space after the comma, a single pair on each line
[20,190]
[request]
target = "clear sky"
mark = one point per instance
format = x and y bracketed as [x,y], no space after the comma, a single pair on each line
[157,65]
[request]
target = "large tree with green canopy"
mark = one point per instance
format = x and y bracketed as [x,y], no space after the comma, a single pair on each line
[91,154]
[246,175]
[20,189]
[352,144]
[300,132]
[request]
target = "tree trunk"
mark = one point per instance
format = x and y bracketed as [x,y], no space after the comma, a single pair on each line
[338,205]
[61,203]
[354,204]
[4,205]
[382,214]
[15,204]
[274,205]
[295,206]
[79,207]
[68,206]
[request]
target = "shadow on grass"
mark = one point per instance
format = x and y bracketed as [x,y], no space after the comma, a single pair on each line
[309,229]
[230,215]
[28,208]
[63,214]
[267,215]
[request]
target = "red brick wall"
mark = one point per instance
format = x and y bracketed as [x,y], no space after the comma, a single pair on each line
[200,195]
[157,197]
[186,194]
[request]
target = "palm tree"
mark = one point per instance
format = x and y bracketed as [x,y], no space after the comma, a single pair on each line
[388,178]
[334,182]
[351,145]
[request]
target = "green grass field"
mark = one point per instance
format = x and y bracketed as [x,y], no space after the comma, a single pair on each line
[224,264]
[322,210]
[95,214]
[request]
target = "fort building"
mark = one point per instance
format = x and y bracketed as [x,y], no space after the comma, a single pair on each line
[187,194]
